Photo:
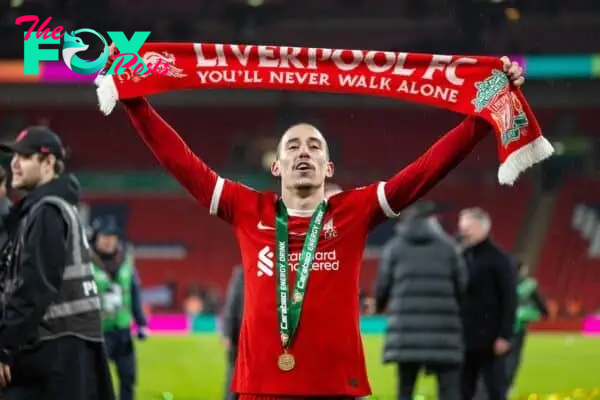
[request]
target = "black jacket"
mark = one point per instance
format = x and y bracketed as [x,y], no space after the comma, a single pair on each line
[5,206]
[422,276]
[38,276]
[489,306]
[234,306]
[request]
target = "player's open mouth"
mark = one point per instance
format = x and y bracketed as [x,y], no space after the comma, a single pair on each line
[303,166]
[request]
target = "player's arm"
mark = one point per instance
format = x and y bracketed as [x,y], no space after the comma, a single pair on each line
[418,178]
[415,180]
[209,189]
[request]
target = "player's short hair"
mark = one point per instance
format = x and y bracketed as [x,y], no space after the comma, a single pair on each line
[279,144]
[480,215]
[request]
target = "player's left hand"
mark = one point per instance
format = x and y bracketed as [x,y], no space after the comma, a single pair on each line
[514,71]
[143,332]
[4,375]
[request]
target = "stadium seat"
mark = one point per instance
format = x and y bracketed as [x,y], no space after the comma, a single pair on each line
[565,269]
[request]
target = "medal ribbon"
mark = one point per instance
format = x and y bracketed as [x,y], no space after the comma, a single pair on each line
[289,310]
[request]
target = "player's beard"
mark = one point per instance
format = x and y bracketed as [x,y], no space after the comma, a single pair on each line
[305,185]
[306,181]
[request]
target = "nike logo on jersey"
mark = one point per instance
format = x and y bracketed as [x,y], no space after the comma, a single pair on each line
[264,227]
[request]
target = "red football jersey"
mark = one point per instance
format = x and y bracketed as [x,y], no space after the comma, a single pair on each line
[327,346]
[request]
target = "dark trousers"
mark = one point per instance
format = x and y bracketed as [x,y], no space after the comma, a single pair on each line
[513,359]
[448,377]
[231,357]
[119,345]
[492,368]
[61,369]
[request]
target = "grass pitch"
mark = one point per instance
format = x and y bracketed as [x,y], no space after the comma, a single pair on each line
[193,368]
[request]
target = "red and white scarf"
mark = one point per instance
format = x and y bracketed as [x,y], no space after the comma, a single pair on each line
[470,85]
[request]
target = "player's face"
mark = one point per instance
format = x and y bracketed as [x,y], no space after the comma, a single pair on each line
[27,171]
[303,161]
[107,244]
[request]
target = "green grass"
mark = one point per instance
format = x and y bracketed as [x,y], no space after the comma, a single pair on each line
[192,367]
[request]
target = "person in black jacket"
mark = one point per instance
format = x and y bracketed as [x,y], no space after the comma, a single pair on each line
[489,306]
[232,324]
[422,278]
[51,343]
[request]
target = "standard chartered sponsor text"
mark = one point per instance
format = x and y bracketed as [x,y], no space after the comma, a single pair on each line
[324,261]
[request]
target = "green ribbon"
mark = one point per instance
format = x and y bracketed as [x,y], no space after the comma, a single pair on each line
[289,310]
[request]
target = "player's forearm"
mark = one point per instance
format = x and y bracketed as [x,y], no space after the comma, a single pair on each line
[419,177]
[171,151]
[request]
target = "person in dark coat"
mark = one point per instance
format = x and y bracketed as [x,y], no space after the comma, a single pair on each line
[422,278]
[232,324]
[488,310]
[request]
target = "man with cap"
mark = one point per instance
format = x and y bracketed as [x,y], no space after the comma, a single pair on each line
[119,289]
[51,344]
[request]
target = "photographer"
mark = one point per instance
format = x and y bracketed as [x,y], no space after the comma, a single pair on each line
[50,335]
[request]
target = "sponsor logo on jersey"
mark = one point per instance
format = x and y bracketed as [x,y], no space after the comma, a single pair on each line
[265,262]
[324,261]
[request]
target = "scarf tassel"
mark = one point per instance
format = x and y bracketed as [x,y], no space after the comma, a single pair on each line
[107,93]
[523,158]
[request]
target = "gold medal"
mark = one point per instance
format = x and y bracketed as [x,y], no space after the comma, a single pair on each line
[286,362]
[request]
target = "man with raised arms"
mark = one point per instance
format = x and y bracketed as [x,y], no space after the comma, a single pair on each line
[300,335]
